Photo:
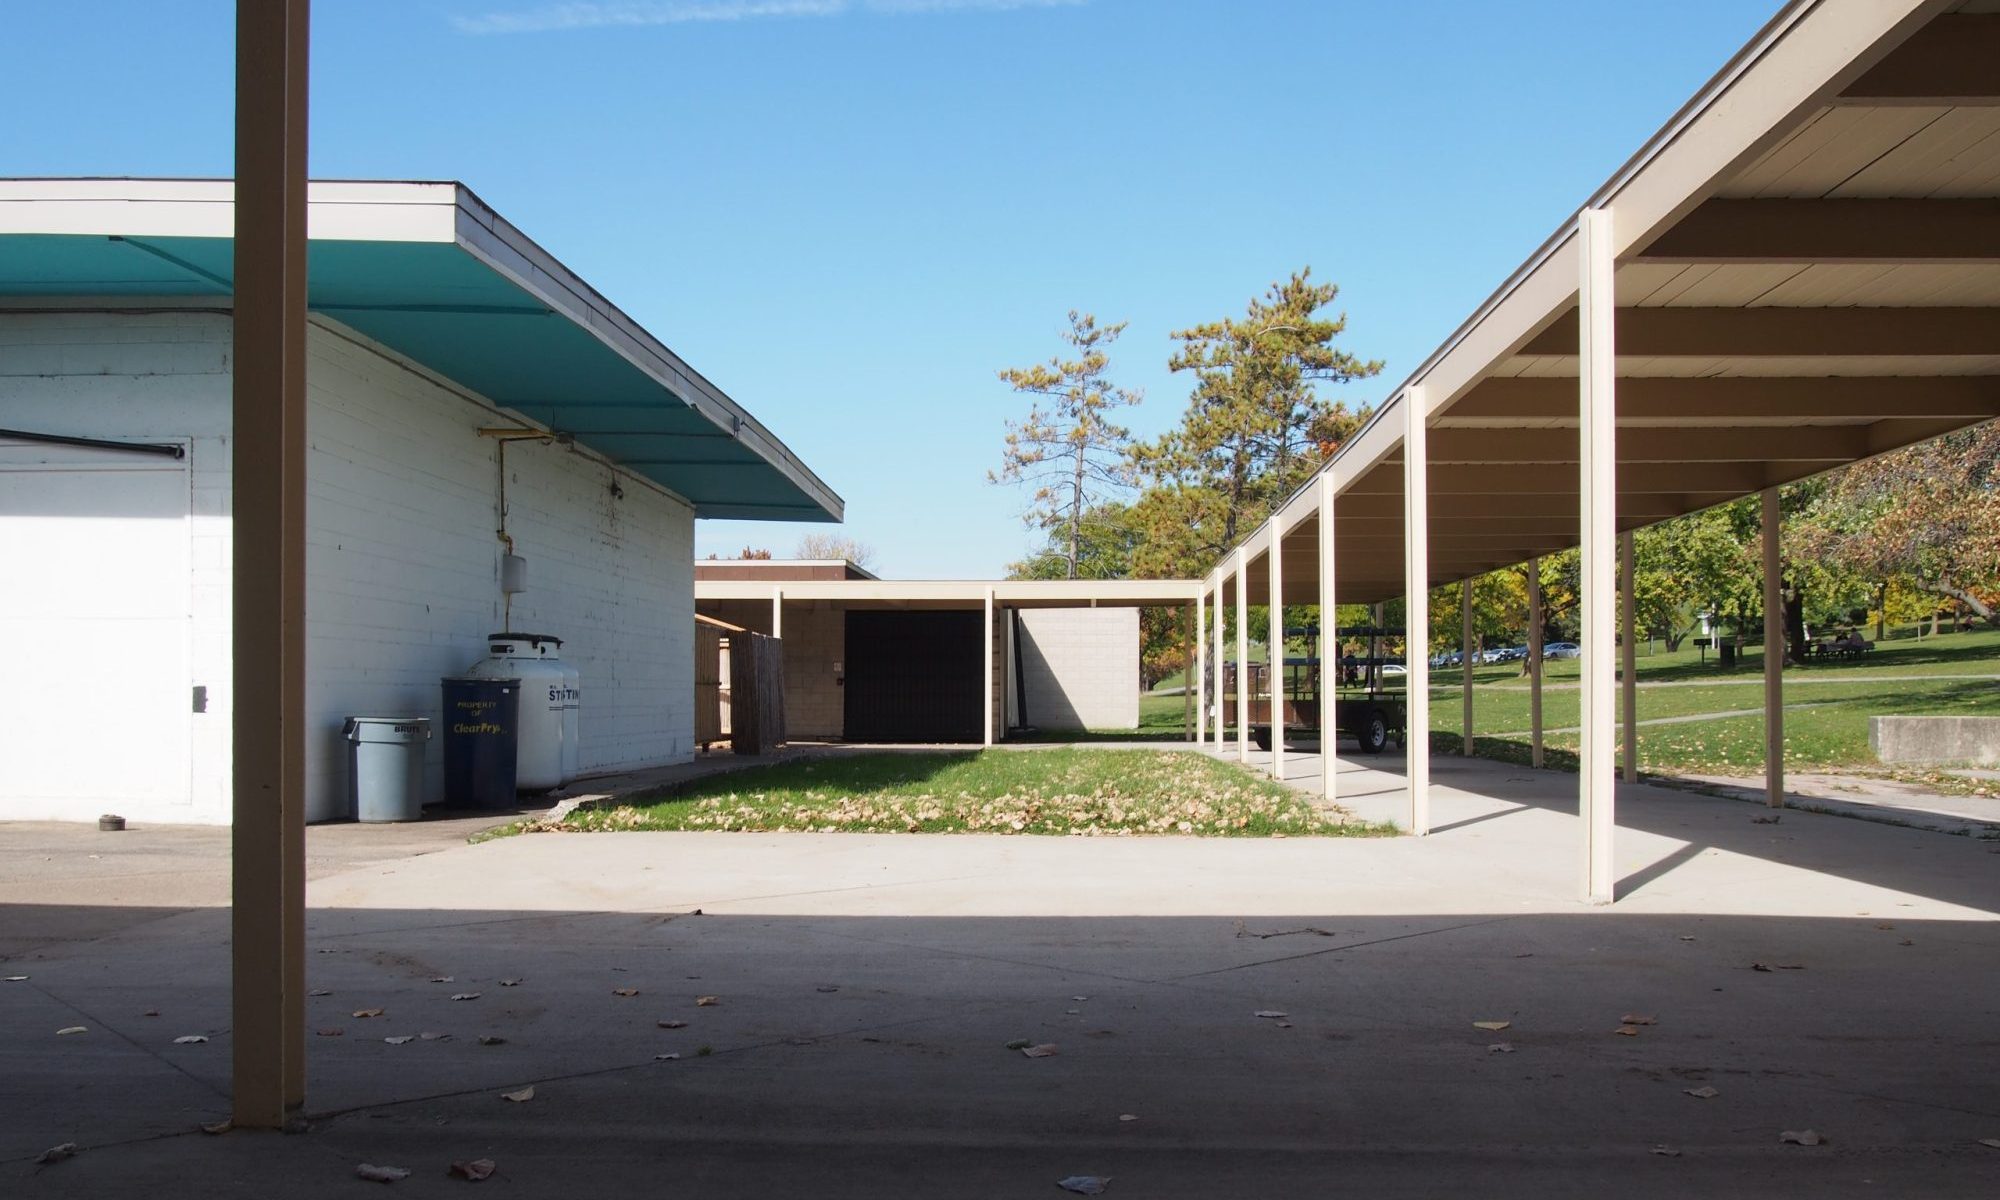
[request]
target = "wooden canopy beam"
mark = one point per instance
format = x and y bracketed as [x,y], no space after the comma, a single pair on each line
[1812,443]
[1949,62]
[1841,230]
[1784,332]
[1551,403]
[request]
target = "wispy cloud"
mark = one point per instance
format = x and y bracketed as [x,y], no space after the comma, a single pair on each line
[603,14]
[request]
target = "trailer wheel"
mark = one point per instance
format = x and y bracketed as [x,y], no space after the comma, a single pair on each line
[1374,732]
[1262,737]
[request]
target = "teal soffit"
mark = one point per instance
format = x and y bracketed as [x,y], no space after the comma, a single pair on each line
[443,307]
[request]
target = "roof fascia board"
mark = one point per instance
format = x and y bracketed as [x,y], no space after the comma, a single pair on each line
[206,208]
[1082,592]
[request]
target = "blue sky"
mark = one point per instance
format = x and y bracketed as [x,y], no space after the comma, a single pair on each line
[850,213]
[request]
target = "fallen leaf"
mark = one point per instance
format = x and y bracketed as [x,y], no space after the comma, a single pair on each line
[475,1170]
[441,979]
[1884,925]
[1085,1185]
[487,1039]
[1759,967]
[17,979]
[1632,1020]
[465,995]
[399,1040]
[1687,937]
[331,1032]
[1801,1137]
[56,1153]
[364,1013]
[216,1127]
[1627,1031]
[1906,942]
[375,1174]
[510,983]
[1045,1050]
[189,1039]
[1764,820]
[435,1037]
[672,1024]
[66,1030]
[1128,1116]
[151,1012]
[1270,1014]
[665,1057]
[521,1097]
[1071,1012]
[1701,1093]
[1992,1142]
[1284,1025]
[1079,999]
[1790,966]
[826,987]
[624,991]
[1019,1044]
[1491,1026]
[706,1001]
[1500,1048]
[1666,1152]
[320,992]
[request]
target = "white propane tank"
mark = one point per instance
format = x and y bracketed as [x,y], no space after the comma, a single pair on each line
[572,706]
[529,657]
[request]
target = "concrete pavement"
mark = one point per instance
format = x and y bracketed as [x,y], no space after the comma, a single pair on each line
[867,987]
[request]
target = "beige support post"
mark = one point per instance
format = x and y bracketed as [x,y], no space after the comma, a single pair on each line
[777,612]
[1242,656]
[1774,654]
[1416,609]
[1628,660]
[1274,653]
[1465,664]
[1535,754]
[1221,660]
[1329,643]
[268,568]
[987,693]
[1598,493]
[1194,683]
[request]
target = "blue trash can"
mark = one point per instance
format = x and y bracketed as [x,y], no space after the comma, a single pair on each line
[482,729]
[385,767]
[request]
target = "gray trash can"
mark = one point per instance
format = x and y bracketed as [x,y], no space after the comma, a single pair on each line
[385,767]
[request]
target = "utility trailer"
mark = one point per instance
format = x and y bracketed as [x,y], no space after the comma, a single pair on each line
[1364,708]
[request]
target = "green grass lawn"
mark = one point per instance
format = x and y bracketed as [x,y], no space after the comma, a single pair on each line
[1830,734]
[1076,792]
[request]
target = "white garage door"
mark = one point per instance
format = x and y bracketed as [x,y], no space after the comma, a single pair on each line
[94,603]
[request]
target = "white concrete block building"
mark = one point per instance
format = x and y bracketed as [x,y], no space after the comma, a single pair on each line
[467,395]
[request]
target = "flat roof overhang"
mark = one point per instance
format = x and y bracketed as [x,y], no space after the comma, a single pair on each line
[1807,275]
[428,271]
[958,593]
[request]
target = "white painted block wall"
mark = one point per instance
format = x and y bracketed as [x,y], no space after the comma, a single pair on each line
[403,559]
[1081,667]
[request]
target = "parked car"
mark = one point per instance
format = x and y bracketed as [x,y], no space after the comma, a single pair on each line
[1562,650]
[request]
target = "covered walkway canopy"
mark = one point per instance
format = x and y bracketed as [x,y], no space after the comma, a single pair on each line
[1799,271]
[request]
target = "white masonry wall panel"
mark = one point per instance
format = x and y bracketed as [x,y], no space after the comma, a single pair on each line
[403,554]
[1081,667]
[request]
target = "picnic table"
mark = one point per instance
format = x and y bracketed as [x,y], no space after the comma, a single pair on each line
[1845,647]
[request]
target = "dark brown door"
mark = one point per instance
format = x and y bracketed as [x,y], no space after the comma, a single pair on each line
[914,676]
